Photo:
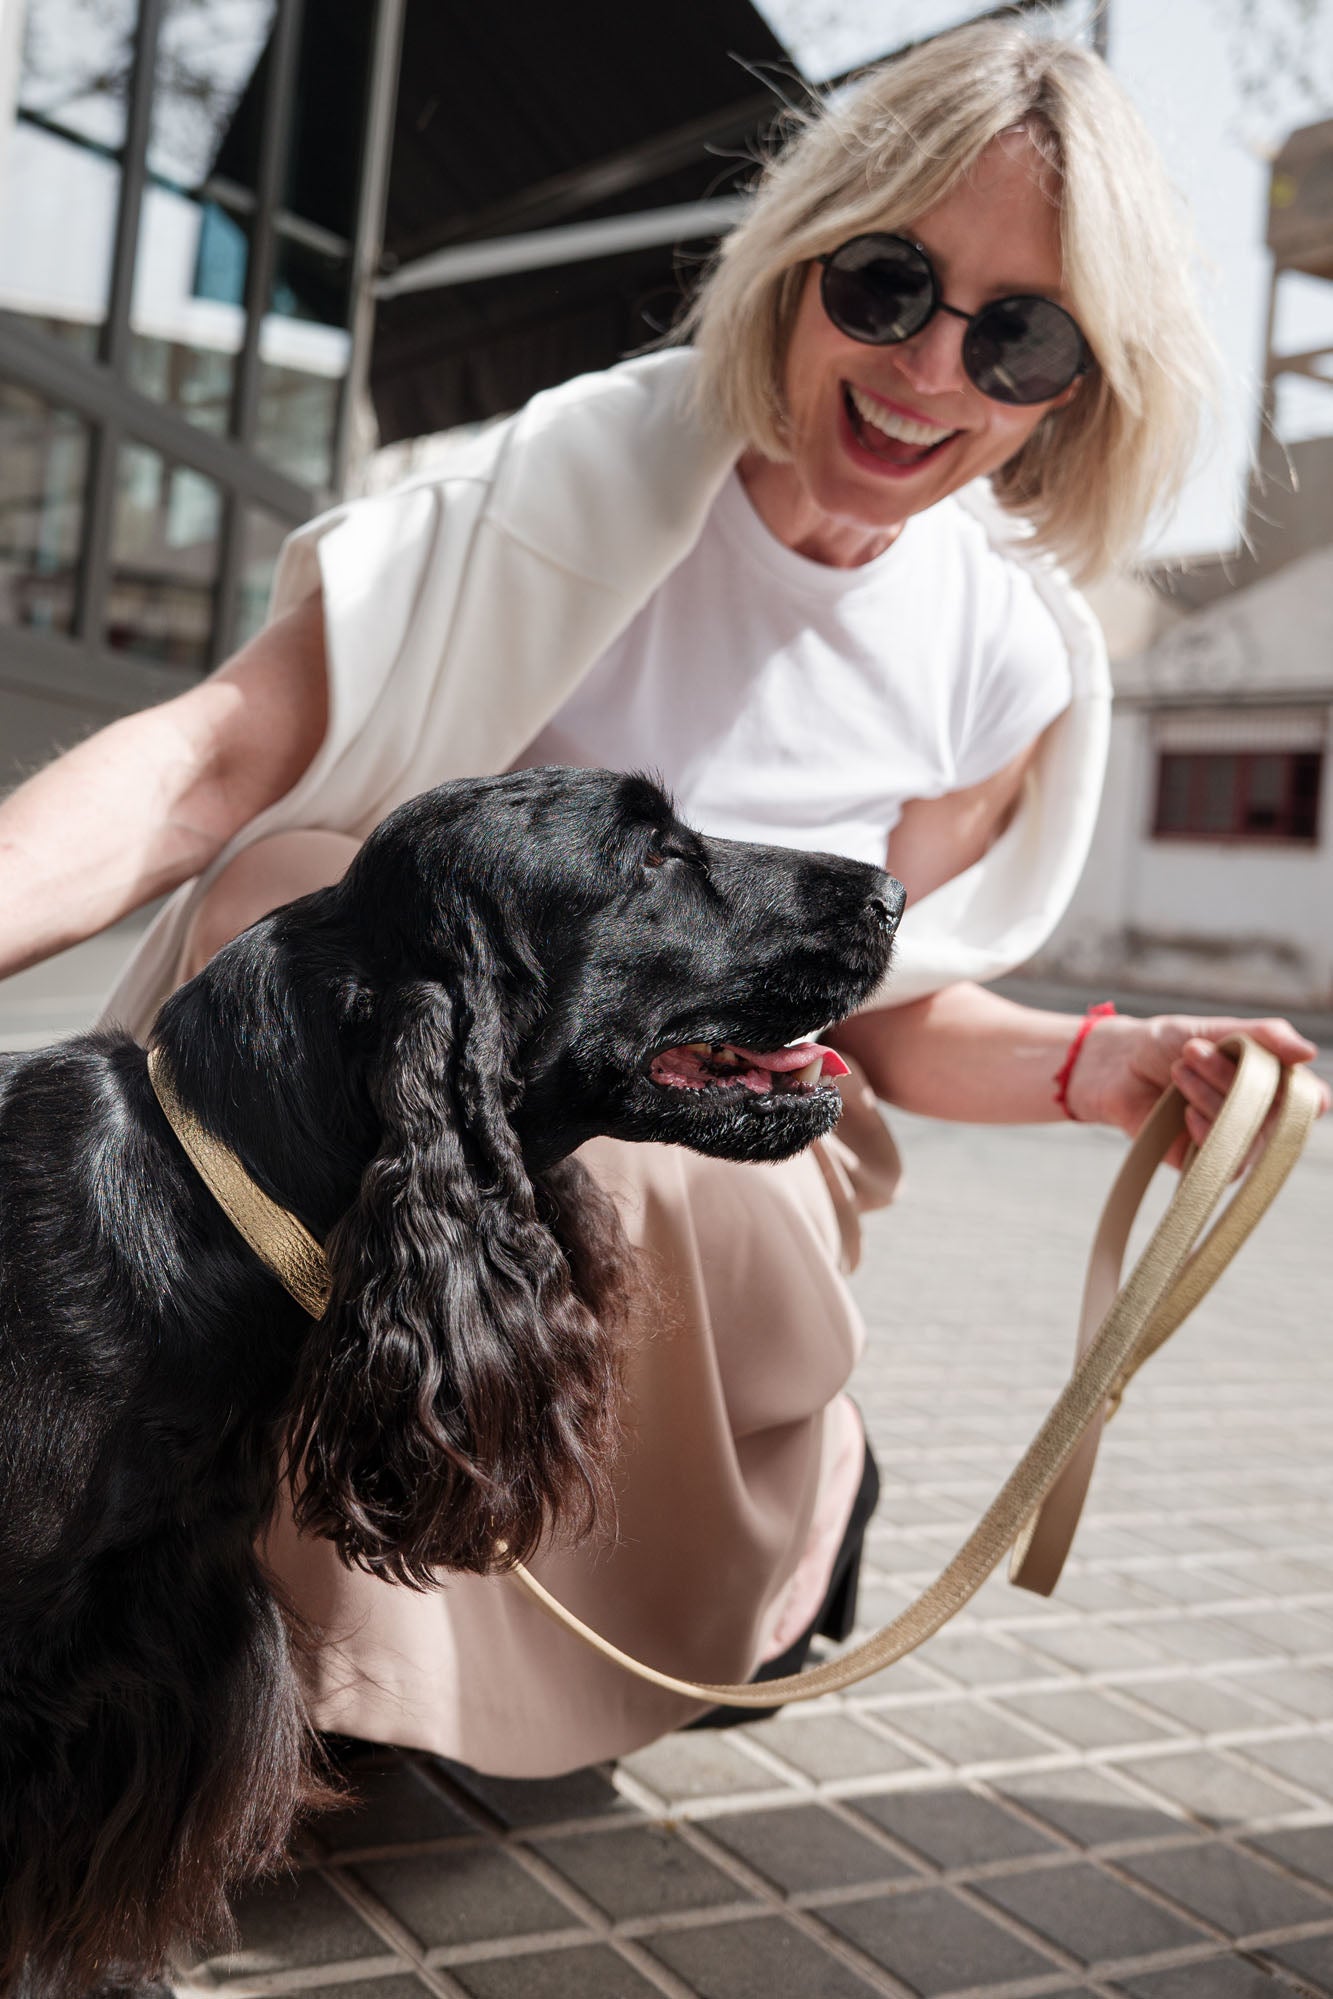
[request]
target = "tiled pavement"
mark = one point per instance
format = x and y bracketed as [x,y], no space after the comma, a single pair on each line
[1127,1791]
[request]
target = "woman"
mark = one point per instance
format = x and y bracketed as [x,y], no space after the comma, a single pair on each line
[750,565]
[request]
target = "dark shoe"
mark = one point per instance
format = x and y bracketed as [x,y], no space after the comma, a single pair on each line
[836,1614]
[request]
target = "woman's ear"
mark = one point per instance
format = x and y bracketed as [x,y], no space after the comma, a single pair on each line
[457,1394]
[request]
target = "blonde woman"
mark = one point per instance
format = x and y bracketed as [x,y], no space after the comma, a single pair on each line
[807,567]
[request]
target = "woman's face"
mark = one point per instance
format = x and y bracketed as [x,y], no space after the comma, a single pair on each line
[852,481]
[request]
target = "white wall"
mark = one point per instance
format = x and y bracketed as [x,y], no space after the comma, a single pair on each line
[1227,920]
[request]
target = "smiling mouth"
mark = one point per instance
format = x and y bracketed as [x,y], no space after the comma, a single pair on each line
[794,1071]
[897,440]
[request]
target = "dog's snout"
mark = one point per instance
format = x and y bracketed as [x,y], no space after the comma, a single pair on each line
[886,904]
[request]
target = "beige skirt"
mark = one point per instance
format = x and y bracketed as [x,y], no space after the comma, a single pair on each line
[740,1462]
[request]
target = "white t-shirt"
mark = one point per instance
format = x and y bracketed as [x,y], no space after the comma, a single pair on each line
[786,701]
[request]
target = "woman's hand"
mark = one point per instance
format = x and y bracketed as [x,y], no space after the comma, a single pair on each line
[1125,1064]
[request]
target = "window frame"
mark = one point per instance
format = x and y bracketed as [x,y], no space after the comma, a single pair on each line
[1237,833]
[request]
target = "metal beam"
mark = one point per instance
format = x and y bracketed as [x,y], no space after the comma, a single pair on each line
[53,371]
[569,193]
[57,668]
[535,250]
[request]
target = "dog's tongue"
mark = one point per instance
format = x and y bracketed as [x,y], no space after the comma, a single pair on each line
[780,1060]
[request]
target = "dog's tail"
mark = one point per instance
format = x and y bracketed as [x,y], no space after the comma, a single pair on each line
[163,1761]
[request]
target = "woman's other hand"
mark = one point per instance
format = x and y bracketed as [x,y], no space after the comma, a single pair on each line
[1125,1064]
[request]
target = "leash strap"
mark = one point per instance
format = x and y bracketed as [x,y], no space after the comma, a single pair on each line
[1036,1510]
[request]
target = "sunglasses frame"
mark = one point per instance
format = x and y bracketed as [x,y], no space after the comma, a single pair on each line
[939,304]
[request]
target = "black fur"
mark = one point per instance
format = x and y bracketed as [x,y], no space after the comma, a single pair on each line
[405,1061]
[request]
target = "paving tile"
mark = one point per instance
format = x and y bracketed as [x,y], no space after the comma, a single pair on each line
[954,1828]
[579,1973]
[1308,1848]
[1306,1760]
[978,1659]
[936,1943]
[1217,1978]
[1215,1790]
[1087,1913]
[1084,1717]
[1186,1586]
[761,1959]
[1093,1648]
[1088,1806]
[705,1765]
[1103,1592]
[292,1922]
[540,1801]
[368,1988]
[1306,1690]
[642,1871]
[1311,1958]
[1229,1889]
[465,1896]
[828,1746]
[1205,1641]
[1297,1633]
[393,1804]
[964,1732]
[803,1847]
[1208,1707]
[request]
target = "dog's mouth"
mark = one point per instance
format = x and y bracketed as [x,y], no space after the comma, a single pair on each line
[797,1070]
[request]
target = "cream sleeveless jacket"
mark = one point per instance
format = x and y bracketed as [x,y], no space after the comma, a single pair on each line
[464,607]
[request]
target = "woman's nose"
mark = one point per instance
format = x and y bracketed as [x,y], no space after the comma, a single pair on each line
[932,360]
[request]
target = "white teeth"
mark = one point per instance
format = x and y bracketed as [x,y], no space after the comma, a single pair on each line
[810,1074]
[903,429]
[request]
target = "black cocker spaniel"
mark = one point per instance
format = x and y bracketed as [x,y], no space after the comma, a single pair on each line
[405,1061]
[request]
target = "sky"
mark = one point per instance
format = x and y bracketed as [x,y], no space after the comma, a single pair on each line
[1219,83]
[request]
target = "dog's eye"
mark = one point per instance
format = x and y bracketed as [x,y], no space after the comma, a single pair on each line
[654,858]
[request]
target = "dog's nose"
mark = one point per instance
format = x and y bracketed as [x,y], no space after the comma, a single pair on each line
[886,906]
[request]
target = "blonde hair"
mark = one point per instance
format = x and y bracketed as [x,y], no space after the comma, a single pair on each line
[1095,473]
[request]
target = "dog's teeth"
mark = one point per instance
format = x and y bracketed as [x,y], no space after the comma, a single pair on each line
[811,1072]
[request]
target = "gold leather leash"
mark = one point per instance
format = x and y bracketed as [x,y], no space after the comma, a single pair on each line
[1039,1504]
[1037,1508]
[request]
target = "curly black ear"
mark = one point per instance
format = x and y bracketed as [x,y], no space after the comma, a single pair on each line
[459,1393]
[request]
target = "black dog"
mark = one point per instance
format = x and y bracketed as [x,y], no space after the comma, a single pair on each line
[509,967]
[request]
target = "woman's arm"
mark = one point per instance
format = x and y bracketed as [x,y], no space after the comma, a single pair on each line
[966,1053]
[150,800]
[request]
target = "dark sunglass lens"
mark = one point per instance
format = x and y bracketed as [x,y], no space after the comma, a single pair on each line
[878,289]
[1023,350]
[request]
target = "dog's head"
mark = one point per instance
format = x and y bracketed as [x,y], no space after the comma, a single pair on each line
[642,980]
[510,966]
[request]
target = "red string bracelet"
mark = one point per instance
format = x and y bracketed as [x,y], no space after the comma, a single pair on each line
[1066,1069]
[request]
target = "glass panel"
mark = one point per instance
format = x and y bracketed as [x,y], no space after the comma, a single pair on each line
[262,535]
[304,350]
[164,552]
[43,466]
[1217,794]
[328,116]
[1306,780]
[60,179]
[1265,793]
[187,316]
[1173,795]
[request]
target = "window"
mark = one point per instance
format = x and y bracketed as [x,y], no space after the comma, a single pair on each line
[1238,795]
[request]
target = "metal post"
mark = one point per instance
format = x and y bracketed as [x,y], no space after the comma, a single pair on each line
[367,245]
[1101,29]
[114,343]
[279,100]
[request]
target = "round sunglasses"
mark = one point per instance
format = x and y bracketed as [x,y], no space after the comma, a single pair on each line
[883,289]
